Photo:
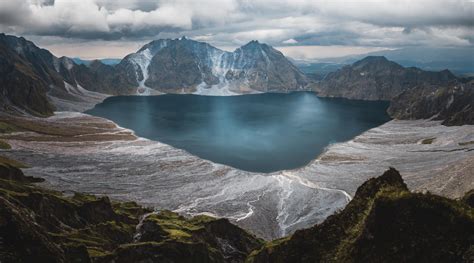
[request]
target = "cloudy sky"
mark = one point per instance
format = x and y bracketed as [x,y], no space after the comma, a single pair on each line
[300,28]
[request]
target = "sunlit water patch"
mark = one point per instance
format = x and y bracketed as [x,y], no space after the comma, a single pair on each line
[260,133]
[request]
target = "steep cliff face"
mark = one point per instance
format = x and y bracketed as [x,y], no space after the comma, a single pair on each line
[376,78]
[34,81]
[383,223]
[183,65]
[24,85]
[453,103]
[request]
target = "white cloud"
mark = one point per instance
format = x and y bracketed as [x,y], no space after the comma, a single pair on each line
[234,22]
[320,52]
[290,41]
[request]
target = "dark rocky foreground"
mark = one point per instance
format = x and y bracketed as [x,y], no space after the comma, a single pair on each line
[39,225]
[383,223]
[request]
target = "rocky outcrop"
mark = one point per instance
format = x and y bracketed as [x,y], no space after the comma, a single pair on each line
[453,103]
[39,225]
[383,223]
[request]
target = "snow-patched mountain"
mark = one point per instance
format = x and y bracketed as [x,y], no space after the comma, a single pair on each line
[188,66]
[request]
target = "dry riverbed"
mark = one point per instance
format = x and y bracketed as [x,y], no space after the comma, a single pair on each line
[78,152]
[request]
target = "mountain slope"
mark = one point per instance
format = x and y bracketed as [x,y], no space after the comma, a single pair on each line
[103,78]
[186,66]
[383,223]
[22,85]
[376,78]
[413,93]
[34,81]
[453,103]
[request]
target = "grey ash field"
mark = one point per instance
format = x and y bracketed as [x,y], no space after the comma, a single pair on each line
[328,210]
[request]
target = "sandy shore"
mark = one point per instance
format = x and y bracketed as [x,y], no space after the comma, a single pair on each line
[78,152]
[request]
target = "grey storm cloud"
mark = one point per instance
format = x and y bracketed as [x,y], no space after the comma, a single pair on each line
[233,22]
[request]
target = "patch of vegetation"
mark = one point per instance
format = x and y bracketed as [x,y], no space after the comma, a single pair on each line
[4,145]
[428,141]
[466,143]
[14,163]
[8,127]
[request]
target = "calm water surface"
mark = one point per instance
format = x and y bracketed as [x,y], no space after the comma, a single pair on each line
[261,133]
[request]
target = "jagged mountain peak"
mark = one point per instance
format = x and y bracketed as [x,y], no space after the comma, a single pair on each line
[184,65]
[252,43]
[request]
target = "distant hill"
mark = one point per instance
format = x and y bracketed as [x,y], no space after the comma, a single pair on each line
[459,60]
[377,78]
[414,93]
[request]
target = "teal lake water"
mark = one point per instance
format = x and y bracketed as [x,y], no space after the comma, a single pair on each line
[259,133]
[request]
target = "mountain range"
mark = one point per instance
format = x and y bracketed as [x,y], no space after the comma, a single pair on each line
[459,60]
[36,82]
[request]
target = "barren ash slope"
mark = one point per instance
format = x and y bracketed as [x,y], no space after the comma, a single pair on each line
[111,160]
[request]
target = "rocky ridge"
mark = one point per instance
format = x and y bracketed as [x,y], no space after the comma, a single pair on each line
[187,66]
[383,222]
[413,93]
[35,82]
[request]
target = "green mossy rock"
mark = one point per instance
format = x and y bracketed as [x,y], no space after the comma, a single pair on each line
[40,225]
[383,223]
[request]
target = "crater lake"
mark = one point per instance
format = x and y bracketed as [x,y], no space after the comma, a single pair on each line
[258,133]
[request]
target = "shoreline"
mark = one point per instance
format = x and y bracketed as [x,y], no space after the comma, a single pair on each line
[158,175]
